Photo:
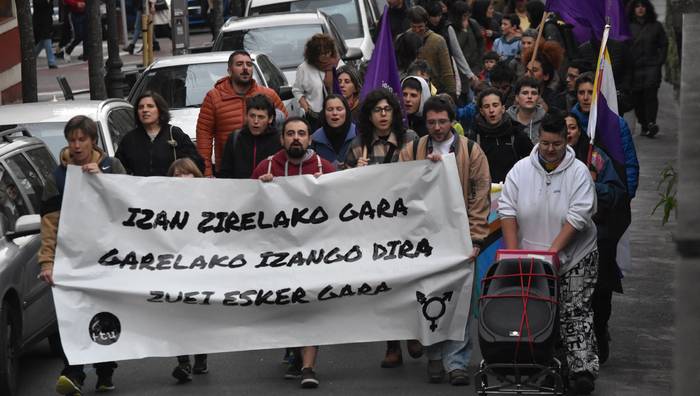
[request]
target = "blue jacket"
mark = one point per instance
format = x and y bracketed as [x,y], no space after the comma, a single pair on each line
[631,162]
[323,147]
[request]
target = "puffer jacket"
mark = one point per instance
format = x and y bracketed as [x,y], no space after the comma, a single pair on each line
[648,46]
[631,161]
[222,112]
[474,176]
[51,206]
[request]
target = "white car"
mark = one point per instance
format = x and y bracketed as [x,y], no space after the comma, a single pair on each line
[184,81]
[46,120]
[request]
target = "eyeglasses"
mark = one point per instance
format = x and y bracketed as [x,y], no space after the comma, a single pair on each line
[385,109]
[441,122]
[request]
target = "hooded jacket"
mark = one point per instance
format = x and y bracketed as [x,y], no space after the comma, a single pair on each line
[504,145]
[631,161]
[51,207]
[542,202]
[531,129]
[244,151]
[279,165]
[416,121]
[222,112]
[323,146]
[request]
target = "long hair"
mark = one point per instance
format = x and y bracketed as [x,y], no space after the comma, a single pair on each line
[366,126]
[161,104]
[650,15]
[317,45]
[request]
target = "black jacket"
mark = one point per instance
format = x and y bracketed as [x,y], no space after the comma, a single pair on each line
[42,20]
[417,123]
[649,47]
[397,20]
[504,145]
[622,65]
[244,151]
[141,157]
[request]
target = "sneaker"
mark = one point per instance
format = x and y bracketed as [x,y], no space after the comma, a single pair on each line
[293,371]
[129,49]
[436,372]
[645,130]
[53,67]
[308,378]
[68,386]
[582,383]
[653,129]
[459,377]
[200,366]
[183,373]
[104,384]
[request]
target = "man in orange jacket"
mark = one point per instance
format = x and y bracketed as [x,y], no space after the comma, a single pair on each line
[223,109]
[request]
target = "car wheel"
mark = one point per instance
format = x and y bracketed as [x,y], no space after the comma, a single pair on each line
[55,344]
[9,349]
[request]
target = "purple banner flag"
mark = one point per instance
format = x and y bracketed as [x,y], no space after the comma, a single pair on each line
[382,71]
[590,17]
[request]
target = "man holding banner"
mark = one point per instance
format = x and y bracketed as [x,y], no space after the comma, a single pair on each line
[475,179]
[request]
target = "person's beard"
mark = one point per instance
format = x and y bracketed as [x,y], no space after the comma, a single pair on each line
[296,151]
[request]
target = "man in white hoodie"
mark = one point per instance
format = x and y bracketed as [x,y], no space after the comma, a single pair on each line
[547,203]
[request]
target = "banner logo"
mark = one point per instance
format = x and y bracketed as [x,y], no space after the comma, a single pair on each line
[105,328]
[429,313]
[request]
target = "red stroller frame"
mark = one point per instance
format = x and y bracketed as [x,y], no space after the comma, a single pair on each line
[519,325]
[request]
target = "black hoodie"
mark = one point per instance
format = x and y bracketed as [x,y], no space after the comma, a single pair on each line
[244,151]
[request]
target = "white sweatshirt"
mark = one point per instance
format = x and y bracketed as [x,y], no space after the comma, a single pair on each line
[541,202]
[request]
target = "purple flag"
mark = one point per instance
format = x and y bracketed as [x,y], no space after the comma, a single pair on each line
[382,71]
[589,18]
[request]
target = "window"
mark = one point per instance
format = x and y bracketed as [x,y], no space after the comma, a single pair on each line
[29,183]
[45,164]
[7,10]
[50,133]
[120,121]
[12,205]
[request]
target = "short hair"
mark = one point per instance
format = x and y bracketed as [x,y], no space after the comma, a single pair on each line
[433,8]
[81,123]
[317,45]
[501,72]
[407,46]
[412,83]
[513,19]
[491,55]
[528,82]
[586,77]
[487,92]
[457,12]
[581,65]
[439,104]
[554,122]
[417,14]
[530,33]
[260,102]
[237,52]
[419,65]
[161,105]
[184,165]
[295,119]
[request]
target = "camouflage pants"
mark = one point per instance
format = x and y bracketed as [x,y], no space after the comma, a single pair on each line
[576,288]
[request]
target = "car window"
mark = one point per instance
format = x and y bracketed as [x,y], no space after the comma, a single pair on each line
[274,77]
[284,44]
[29,184]
[345,13]
[12,205]
[339,42]
[185,85]
[120,122]
[46,165]
[50,133]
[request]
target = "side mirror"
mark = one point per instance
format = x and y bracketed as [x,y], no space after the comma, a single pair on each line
[26,225]
[285,92]
[352,54]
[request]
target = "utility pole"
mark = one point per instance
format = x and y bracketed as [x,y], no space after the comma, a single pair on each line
[686,379]
[218,6]
[147,33]
[115,76]
[93,46]
[26,39]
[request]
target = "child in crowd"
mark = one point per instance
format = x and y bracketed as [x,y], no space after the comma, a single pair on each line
[490,60]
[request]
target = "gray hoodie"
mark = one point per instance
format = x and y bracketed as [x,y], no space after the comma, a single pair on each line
[532,129]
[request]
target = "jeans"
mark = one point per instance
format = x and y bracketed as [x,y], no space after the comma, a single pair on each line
[455,355]
[46,45]
[137,28]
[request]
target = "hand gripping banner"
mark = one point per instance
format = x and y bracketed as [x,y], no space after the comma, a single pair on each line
[168,266]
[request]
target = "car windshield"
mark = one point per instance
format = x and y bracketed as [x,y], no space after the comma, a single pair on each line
[345,13]
[185,85]
[283,44]
[50,133]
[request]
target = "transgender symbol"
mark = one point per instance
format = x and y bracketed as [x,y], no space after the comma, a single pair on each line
[425,303]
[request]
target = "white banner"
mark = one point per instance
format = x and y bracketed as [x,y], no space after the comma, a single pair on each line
[169,266]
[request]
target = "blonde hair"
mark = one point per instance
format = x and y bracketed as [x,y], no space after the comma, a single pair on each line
[184,165]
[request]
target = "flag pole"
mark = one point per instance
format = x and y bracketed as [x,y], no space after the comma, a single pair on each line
[539,38]
[596,87]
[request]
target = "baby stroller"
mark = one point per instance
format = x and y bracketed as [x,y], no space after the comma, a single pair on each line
[519,326]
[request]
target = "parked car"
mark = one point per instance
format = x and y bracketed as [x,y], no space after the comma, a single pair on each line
[184,81]
[356,19]
[45,120]
[27,313]
[282,36]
